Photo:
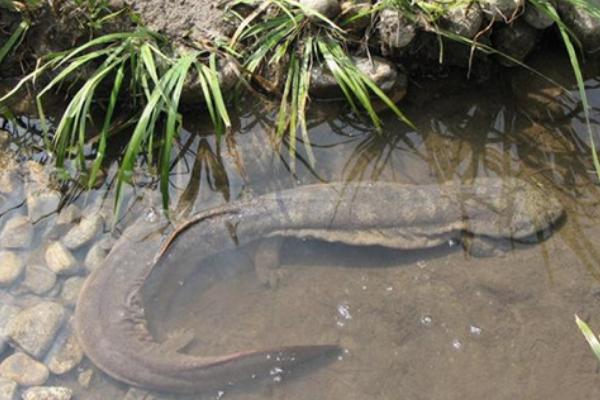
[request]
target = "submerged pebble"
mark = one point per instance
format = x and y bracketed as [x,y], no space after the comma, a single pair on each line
[8,389]
[67,356]
[38,279]
[96,255]
[24,370]
[41,203]
[60,260]
[48,393]
[34,329]
[516,40]
[11,267]
[7,312]
[70,290]
[17,233]
[85,378]
[82,233]
[68,215]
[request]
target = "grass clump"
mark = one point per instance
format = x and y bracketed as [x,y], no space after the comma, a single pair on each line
[133,66]
[287,32]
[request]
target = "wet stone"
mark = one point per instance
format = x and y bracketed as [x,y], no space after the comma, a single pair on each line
[60,260]
[85,378]
[70,290]
[67,356]
[17,233]
[41,203]
[379,70]
[48,393]
[501,10]
[463,19]
[82,233]
[328,8]
[139,394]
[516,40]
[24,370]
[536,18]
[8,389]
[38,279]
[358,12]
[7,312]
[34,328]
[395,30]
[585,26]
[68,215]
[11,267]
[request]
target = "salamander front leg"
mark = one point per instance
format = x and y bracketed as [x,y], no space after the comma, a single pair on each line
[267,261]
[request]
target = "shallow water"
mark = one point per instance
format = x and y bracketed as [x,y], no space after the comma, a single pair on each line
[426,324]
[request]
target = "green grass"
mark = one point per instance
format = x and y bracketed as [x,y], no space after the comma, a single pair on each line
[590,337]
[302,38]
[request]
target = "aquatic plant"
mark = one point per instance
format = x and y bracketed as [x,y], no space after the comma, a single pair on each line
[301,37]
[589,336]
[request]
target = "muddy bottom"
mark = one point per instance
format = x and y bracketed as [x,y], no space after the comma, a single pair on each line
[430,324]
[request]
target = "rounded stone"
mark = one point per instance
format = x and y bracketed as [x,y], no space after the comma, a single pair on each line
[381,71]
[395,30]
[68,215]
[70,290]
[41,203]
[87,229]
[67,356]
[38,279]
[7,312]
[48,393]
[17,233]
[34,329]
[11,267]
[60,260]
[95,256]
[536,18]
[585,25]
[516,40]
[359,12]
[24,370]
[85,378]
[463,19]
[8,389]
[501,10]
[327,8]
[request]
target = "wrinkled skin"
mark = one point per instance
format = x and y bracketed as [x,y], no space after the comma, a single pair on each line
[110,319]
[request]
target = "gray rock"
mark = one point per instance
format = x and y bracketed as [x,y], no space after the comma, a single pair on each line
[379,70]
[7,312]
[17,233]
[60,260]
[38,279]
[537,18]
[41,203]
[11,267]
[585,26]
[501,10]
[463,19]
[395,30]
[34,329]
[8,389]
[70,290]
[48,393]
[328,8]
[68,215]
[516,40]
[87,229]
[96,255]
[67,356]
[24,370]
[85,378]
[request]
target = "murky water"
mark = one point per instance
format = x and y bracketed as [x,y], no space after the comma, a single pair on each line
[427,324]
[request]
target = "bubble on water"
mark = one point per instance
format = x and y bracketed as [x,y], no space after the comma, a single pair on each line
[340,324]
[452,242]
[475,330]
[457,344]
[426,320]
[275,371]
[220,394]
[277,378]
[421,264]
[268,356]
[364,287]
[344,311]
[340,358]
[389,288]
